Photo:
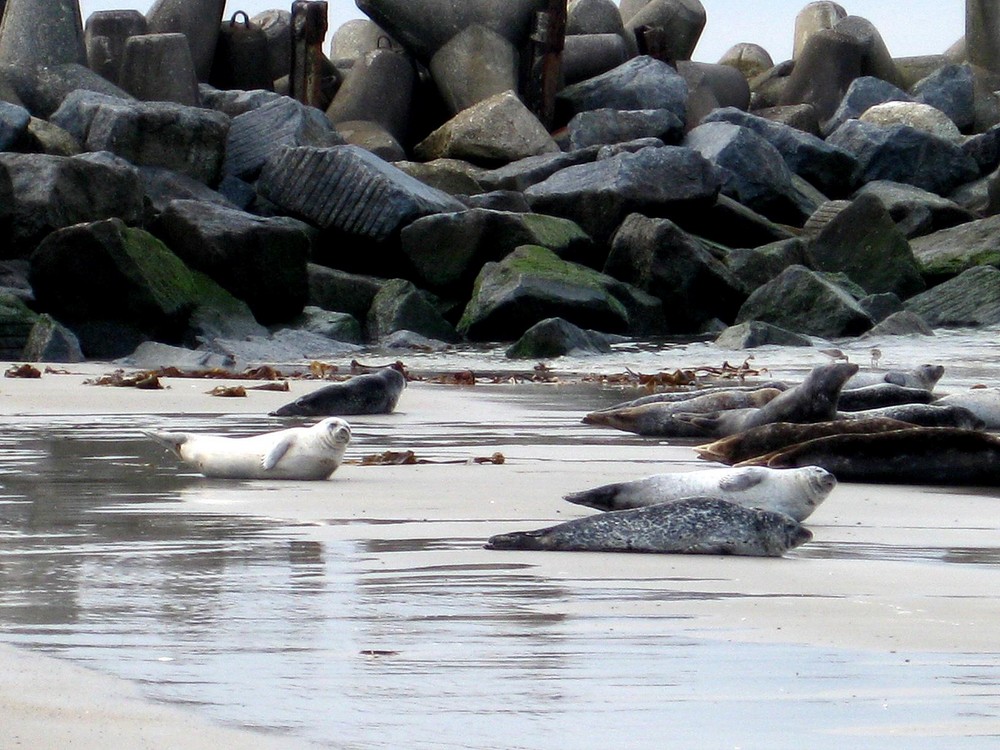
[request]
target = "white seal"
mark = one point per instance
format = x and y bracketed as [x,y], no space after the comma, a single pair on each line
[795,492]
[296,453]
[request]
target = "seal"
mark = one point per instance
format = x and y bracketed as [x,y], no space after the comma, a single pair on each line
[770,437]
[656,419]
[917,455]
[723,393]
[700,525]
[371,393]
[924,415]
[812,400]
[924,376]
[794,492]
[307,453]
[881,394]
[983,402]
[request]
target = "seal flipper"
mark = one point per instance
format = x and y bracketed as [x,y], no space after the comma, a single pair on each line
[172,441]
[277,452]
[742,481]
[518,540]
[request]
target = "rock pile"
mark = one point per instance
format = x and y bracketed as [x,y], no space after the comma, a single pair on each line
[467,171]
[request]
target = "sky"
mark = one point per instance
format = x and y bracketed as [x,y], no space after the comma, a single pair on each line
[916,27]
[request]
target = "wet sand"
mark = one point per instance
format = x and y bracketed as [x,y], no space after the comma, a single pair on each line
[891,570]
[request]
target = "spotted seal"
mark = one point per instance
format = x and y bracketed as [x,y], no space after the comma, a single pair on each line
[297,453]
[770,437]
[371,393]
[656,419]
[925,415]
[923,376]
[701,525]
[794,492]
[879,395]
[983,402]
[918,455]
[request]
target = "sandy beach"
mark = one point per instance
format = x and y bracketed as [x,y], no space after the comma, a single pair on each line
[899,575]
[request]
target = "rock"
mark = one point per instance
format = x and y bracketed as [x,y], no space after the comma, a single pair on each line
[799,116]
[805,302]
[258,260]
[670,180]
[14,121]
[43,90]
[16,323]
[236,103]
[756,266]
[814,17]
[159,68]
[829,168]
[51,341]
[522,174]
[46,193]
[593,17]
[661,259]
[105,271]
[915,211]
[679,22]
[189,140]
[902,323]
[970,299]
[862,94]
[497,130]
[14,280]
[348,189]
[162,186]
[824,69]
[339,291]
[338,326]
[863,242]
[555,337]
[41,35]
[198,21]
[411,342]
[920,116]
[45,138]
[372,137]
[453,176]
[876,60]
[258,133]
[532,284]
[277,28]
[447,251]
[400,306]
[605,126]
[378,89]
[749,59]
[949,252]
[880,306]
[640,83]
[154,355]
[952,90]
[731,224]
[904,154]
[424,26]
[753,171]
[498,200]
[473,66]
[754,333]
[712,87]
[985,149]
[285,346]
[588,55]
[982,34]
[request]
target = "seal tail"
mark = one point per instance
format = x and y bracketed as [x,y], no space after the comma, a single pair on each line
[172,441]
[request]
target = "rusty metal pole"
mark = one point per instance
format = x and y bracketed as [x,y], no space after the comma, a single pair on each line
[545,68]
[308,31]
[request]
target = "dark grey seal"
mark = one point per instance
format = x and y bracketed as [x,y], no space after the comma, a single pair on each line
[701,525]
[918,455]
[881,394]
[924,415]
[372,393]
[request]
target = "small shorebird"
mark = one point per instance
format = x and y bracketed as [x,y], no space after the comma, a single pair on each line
[876,354]
[835,354]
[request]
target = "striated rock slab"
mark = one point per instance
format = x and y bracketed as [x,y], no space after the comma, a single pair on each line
[641,83]
[951,251]
[255,135]
[970,299]
[349,189]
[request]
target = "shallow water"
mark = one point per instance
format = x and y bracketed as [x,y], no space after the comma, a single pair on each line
[337,634]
